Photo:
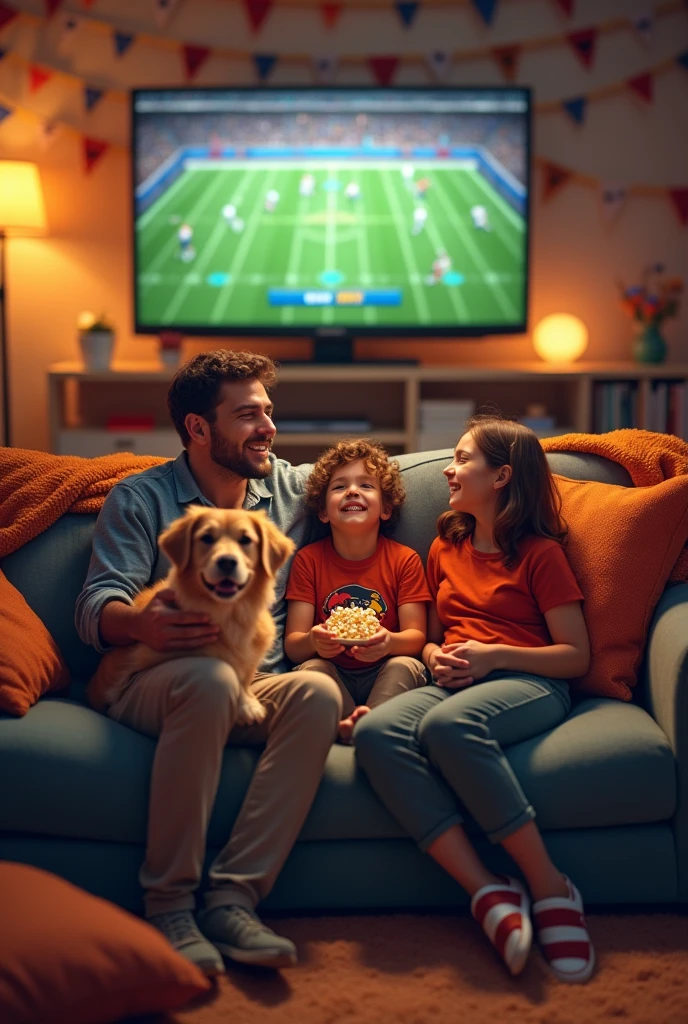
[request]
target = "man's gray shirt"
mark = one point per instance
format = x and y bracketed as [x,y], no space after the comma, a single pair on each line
[126,557]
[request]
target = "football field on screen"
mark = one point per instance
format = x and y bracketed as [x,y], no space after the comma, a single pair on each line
[327,241]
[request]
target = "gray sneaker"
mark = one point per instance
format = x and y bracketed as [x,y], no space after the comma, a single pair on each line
[181,931]
[242,936]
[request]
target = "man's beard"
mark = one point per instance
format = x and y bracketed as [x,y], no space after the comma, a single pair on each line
[231,456]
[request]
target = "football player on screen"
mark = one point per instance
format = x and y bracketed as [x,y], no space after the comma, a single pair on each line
[481,221]
[185,238]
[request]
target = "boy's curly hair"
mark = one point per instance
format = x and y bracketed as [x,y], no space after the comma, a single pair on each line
[376,461]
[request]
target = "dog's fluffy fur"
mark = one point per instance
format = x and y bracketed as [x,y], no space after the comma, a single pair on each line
[223,564]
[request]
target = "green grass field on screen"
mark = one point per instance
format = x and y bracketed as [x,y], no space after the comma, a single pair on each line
[328,241]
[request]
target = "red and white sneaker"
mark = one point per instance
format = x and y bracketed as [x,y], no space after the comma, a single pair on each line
[563,936]
[502,911]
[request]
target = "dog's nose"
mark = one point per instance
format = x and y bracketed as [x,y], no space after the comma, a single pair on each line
[226,565]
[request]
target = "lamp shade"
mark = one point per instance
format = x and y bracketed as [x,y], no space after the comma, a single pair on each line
[560,338]
[22,211]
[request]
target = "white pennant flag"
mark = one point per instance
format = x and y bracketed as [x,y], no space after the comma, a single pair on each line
[325,67]
[440,62]
[644,25]
[612,197]
[69,29]
[164,9]
[47,132]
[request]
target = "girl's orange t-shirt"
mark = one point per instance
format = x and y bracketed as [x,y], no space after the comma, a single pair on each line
[479,599]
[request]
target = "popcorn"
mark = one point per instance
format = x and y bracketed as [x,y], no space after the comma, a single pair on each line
[353,623]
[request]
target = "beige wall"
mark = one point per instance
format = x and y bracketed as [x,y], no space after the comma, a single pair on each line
[576,258]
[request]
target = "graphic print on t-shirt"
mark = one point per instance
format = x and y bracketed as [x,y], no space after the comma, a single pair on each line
[354,596]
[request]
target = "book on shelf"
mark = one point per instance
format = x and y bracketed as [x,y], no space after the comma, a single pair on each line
[324,426]
[615,406]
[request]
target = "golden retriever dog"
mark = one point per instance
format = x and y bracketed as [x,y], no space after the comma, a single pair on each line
[224,563]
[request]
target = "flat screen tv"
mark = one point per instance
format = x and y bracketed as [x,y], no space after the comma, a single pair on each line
[331,211]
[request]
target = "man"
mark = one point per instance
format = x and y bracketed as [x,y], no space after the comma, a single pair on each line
[220,407]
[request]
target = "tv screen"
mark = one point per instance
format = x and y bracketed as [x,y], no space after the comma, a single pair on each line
[389,211]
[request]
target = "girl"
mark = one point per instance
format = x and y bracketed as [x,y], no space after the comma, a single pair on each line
[507,632]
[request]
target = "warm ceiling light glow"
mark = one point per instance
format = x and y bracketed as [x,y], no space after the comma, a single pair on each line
[22,211]
[560,338]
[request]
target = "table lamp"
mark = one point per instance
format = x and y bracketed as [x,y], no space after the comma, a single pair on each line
[560,338]
[22,212]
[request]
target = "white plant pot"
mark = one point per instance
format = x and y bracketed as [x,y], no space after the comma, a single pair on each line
[170,357]
[96,349]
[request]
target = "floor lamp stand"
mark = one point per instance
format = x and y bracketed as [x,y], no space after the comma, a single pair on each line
[4,362]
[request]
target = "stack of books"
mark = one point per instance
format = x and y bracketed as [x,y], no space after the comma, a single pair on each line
[667,410]
[442,421]
[616,406]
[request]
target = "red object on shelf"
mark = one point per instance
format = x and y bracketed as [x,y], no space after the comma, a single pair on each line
[130,422]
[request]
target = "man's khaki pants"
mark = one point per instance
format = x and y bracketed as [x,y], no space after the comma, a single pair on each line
[191,705]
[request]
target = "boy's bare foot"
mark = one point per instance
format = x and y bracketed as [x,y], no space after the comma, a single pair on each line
[346,726]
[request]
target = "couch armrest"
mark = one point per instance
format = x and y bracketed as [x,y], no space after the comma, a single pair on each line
[666,670]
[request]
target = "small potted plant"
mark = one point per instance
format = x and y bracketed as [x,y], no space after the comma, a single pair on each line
[97,340]
[649,305]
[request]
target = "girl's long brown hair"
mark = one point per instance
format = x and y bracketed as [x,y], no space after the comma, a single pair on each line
[529,504]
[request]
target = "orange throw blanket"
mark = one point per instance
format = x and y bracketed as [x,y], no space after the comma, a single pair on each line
[37,488]
[648,457]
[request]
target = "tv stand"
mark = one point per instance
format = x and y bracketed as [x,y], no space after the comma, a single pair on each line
[334,346]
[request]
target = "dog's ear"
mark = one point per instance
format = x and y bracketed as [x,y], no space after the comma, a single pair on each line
[175,542]
[275,547]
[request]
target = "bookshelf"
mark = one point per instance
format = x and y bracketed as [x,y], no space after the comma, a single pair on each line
[587,397]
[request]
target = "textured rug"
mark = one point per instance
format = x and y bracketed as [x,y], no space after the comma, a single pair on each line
[439,969]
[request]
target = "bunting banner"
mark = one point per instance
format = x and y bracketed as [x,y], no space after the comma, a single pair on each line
[122,41]
[383,69]
[7,14]
[5,112]
[92,97]
[554,177]
[679,197]
[164,9]
[92,150]
[325,68]
[194,58]
[256,12]
[583,43]
[330,14]
[576,108]
[439,63]
[566,6]
[644,25]
[51,6]
[507,60]
[612,199]
[643,86]
[264,64]
[37,77]
[486,9]
[407,13]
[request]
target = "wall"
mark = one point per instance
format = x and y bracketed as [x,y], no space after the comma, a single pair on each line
[576,257]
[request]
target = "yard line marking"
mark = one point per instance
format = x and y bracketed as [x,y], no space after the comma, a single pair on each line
[369,312]
[330,240]
[162,225]
[206,198]
[514,246]
[242,251]
[210,247]
[457,299]
[500,295]
[295,251]
[508,211]
[161,201]
[419,298]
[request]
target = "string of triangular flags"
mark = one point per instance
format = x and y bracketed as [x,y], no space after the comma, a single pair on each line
[382,67]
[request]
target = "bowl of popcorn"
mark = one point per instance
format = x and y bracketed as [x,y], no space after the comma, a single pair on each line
[353,625]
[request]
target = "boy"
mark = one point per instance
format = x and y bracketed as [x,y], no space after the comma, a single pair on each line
[356,489]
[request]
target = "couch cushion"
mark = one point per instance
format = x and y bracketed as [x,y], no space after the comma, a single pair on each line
[87,777]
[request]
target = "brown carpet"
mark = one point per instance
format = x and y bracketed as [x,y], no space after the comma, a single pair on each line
[437,969]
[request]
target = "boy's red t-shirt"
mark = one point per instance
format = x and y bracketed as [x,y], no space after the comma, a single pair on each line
[479,599]
[392,576]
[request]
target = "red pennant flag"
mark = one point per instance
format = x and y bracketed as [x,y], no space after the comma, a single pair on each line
[643,86]
[330,14]
[6,15]
[93,149]
[257,11]
[384,68]
[507,59]
[679,197]
[194,57]
[51,6]
[37,77]
[554,177]
[583,43]
[566,6]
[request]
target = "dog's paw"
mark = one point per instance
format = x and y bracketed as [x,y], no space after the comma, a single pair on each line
[251,711]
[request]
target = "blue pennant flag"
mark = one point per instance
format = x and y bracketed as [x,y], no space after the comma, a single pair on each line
[92,96]
[3,53]
[682,59]
[486,9]
[4,112]
[576,108]
[264,64]
[122,41]
[407,12]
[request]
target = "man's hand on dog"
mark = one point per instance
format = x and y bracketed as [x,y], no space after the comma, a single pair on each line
[162,626]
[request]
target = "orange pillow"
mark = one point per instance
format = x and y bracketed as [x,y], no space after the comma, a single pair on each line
[622,545]
[70,958]
[30,660]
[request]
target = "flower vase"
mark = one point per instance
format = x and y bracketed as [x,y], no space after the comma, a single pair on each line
[649,346]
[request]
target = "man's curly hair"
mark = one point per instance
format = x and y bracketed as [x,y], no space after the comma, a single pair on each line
[378,464]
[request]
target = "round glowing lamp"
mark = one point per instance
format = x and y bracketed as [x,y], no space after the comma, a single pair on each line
[560,338]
